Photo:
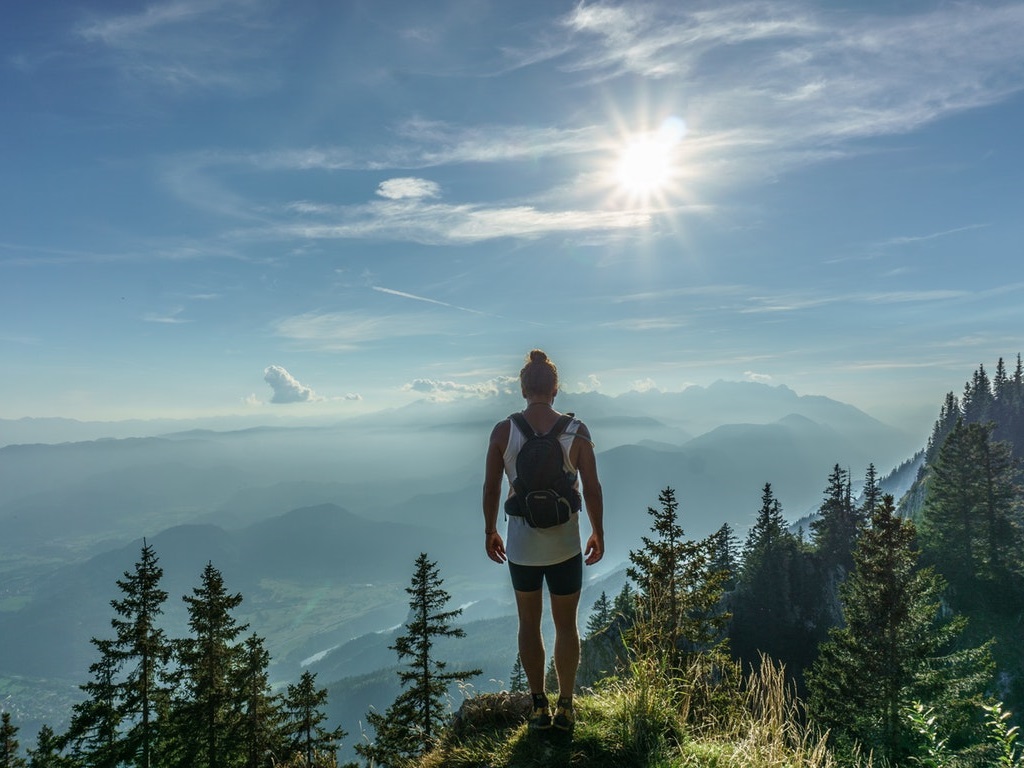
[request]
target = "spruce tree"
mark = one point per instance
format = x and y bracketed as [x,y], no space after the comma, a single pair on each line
[413,722]
[894,650]
[9,757]
[765,608]
[261,728]
[307,735]
[679,591]
[517,680]
[871,496]
[837,526]
[208,705]
[94,733]
[600,615]
[968,524]
[47,752]
[141,651]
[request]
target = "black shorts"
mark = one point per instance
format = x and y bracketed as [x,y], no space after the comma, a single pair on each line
[565,578]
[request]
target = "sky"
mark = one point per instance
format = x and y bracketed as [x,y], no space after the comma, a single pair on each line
[325,208]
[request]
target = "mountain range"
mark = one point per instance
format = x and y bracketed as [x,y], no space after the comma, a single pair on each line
[318,525]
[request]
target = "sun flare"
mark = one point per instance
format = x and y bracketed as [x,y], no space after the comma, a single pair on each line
[646,167]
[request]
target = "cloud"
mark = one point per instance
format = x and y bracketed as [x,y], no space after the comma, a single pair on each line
[643,385]
[337,331]
[189,44]
[592,384]
[450,390]
[286,387]
[398,189]
[760,378]
[798,83]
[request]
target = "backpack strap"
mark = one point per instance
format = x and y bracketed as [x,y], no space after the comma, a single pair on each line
[524,426]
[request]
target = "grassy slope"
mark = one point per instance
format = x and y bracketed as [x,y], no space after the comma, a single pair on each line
[641,722]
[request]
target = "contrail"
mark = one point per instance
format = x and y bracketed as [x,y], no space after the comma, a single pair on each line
[414,297]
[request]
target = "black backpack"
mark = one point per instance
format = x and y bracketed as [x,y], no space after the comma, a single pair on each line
[545,494]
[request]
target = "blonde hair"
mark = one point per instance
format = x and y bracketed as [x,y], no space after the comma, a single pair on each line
[539,377]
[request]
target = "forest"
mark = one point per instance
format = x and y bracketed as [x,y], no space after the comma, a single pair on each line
[895,623]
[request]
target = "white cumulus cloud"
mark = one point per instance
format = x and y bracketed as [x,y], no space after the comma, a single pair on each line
[450,390]
[287,389]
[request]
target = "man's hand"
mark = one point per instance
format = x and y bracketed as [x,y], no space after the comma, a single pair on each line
[595,549]
[495,547]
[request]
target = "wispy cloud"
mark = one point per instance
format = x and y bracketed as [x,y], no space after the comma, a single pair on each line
[188,44]
[799,79]
[337,331]
[910,239]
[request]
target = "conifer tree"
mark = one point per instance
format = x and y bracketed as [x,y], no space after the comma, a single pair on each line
[141,651]
[600,615]
[872,493]
[94,733]
[679,591]
[725,555]
[517,681]
[967,523]
[9,757]
[304,703]
[414,720]
[47,752]
[208,705]
[624,605]
[261,728]
[838,524]
[894,648]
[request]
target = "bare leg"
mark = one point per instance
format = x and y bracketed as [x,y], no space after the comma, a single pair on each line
[531,642]
[567,641]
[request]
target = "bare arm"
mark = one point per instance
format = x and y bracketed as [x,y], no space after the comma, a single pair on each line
[493,471]
[593,496]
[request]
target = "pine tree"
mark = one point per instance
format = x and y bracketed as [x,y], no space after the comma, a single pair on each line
[600,615]
[517,682]
[207,712]
[47,752]
[894,649]
[9,757]
[261,729]
[838,524]
[304,703]
[624,604]
[94,733]
[141,647]
[414,720]
[724,556]
[679,591]
[872,493]
[967,523]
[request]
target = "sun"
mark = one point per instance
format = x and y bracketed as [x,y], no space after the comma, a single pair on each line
[647,164]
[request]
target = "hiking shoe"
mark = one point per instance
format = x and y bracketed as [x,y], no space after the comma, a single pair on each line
[540,719]
[565,716]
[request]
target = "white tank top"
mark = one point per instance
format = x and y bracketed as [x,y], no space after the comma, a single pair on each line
[540,546]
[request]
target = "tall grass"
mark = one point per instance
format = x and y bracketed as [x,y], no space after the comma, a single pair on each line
[651,717]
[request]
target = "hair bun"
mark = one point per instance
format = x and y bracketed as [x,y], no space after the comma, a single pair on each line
[538,356]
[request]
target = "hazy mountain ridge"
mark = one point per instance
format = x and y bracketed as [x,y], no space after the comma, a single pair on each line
[300,519]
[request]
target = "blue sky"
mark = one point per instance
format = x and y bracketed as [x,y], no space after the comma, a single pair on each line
[324,208]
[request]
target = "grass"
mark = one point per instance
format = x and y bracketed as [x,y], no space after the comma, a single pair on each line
[647,720]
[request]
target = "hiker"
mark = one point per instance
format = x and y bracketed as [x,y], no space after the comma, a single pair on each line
[537,549]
